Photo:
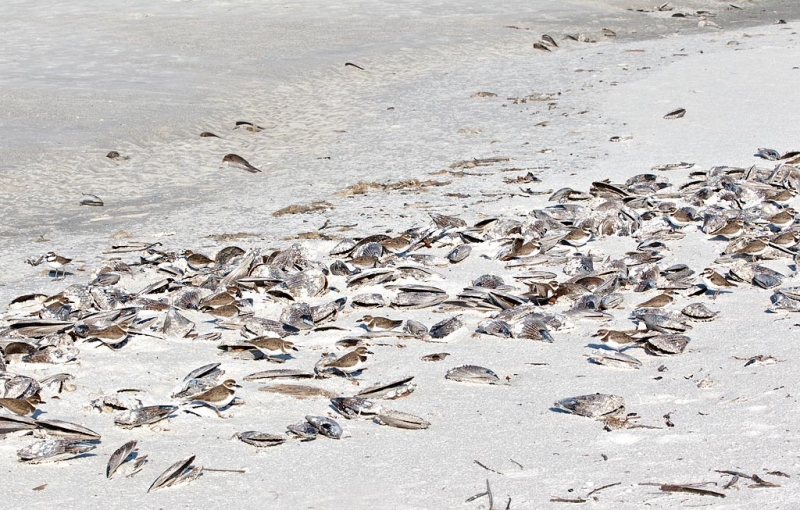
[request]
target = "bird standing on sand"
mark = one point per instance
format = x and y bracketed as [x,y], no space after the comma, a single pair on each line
[715,282]
[217,397]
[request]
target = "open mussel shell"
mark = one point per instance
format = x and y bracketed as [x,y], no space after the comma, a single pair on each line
[298,391]
[472,374]
[280,373]
[597,405]
[446,327]
[699,312]
[179,472]
[143,416]
[119,456]
[12,423]
[67,429]
[260,439]
[389,391]
[615,359]
[459,253]
[356,407]
[401,420]
[664,345]
[325,426]
[210,370]
[303,431]
[53,450]
[176,325]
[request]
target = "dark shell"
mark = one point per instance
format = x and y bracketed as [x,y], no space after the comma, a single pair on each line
[326,426]
[446,327]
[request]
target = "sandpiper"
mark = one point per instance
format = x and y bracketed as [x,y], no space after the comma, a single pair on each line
[272,346]
[785,240]
[753,248]
[782,219]
[217,397]
[616,339]
[681,218]
[57,263]
[730,230]
[715,282]
[577,237]
[350,362]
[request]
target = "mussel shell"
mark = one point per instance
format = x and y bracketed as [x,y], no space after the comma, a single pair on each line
[325,426]
[401,420]
[699,312]
[390,390]
[495,327]
[303,430]
[52,450]
[459,253]
[616,359]
[228,255]
[593,406]
[260,439]
[143,416]
[368,300]
[446,327]
[176,325]
[667,344]
[356,407]
[472,374]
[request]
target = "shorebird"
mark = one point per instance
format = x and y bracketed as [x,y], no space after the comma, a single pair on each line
[272,346]
[380,323]
[57,263]
[577,237]
[715,282]
[730,230]
[197,261]
[217,397]
[350,362]
[786,240]
[681,218]
[658,301]
[616,339]
[781,197]
[782,219]
[753,248]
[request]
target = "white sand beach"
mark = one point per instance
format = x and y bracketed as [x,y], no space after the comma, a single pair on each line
[431,89]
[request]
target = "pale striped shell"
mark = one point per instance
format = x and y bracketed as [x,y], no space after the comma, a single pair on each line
[593,406]
[472,374]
